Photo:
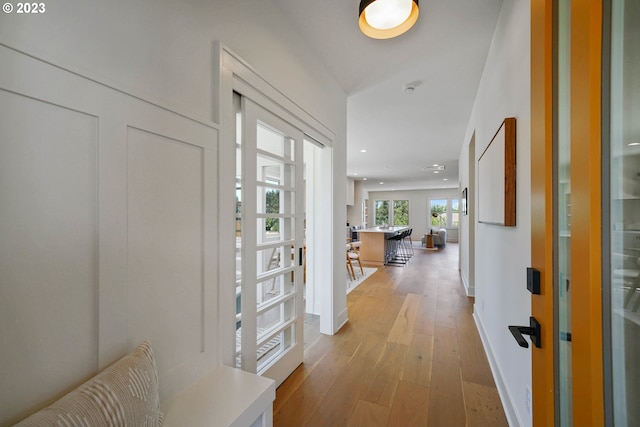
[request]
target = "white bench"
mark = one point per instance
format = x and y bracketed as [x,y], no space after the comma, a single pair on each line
[227,397]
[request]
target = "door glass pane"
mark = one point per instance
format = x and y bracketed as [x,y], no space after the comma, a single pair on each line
[625,212]
[270,140]
[562,278]
[238,225]
[274,201]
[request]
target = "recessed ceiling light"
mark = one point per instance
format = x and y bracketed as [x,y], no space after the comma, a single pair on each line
[363,151]
[355,174]
[436,165]
[381,182]
[364,179]
[633,144]
[436,171]
[445,179]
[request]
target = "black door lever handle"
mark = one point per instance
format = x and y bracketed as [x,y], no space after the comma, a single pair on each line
[533,330]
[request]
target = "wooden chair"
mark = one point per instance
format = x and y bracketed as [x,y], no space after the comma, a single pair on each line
[353,254]
[352,274]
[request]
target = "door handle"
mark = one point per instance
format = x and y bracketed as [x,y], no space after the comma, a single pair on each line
[533,330]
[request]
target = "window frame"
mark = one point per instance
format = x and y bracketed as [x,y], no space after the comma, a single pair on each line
[449,212]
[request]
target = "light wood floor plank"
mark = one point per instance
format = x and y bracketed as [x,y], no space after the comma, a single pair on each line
[335,408]
[483,406]
[362,376]
[473,360]
[402,329]
[382,380]
[445,317]
[446,401]
[426,318]
[445,346]
[410,408]
[367,414]
[417,365]
[301,404]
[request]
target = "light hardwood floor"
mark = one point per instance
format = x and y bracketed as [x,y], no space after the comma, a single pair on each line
[410,355]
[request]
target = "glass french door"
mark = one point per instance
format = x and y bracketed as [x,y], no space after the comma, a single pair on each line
[622,228]
[567,211]
[585,134]
[563,217]
[269,242]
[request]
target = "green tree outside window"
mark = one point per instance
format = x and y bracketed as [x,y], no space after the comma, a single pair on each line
[438,213]
[382,212]
[272,203]
[400,212]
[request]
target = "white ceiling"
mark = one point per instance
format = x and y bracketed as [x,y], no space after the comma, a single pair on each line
[444,53]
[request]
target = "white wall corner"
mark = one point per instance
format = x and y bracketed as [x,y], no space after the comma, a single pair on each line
[342,319]
[469,289]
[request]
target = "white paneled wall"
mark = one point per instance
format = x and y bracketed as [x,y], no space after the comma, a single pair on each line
[108,219]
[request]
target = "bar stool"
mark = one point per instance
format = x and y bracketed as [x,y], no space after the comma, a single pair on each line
[399,257]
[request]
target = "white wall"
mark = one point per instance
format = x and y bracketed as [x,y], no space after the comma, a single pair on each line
[162,51]
[418,206]
[503,253]
[467,222]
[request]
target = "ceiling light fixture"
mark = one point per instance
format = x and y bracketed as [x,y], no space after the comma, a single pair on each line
[363,151]
[385,19]
[433,168]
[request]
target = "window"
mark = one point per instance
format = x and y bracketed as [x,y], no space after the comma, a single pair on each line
[400,212]
[455,212]
[398,216]
[444,212]
[382,212]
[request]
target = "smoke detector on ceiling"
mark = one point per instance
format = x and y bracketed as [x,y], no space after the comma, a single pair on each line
[411,87]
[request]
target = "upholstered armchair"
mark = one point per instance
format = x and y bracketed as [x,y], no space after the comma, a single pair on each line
[439,237]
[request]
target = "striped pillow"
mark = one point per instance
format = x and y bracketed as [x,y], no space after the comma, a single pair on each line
[124,394]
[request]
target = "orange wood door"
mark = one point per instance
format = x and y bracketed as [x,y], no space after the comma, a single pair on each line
[586,372]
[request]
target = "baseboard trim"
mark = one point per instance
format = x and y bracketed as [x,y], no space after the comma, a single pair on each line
[470,290]
[341,320]
[505,398]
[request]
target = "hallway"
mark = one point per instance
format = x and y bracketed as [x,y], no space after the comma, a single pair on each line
[410,355]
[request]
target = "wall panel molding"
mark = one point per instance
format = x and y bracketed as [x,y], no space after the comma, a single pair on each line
[93,152]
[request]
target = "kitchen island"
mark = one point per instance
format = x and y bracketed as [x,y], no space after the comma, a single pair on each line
[373,247]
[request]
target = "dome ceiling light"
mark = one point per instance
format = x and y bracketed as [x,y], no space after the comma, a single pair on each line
[385,19]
